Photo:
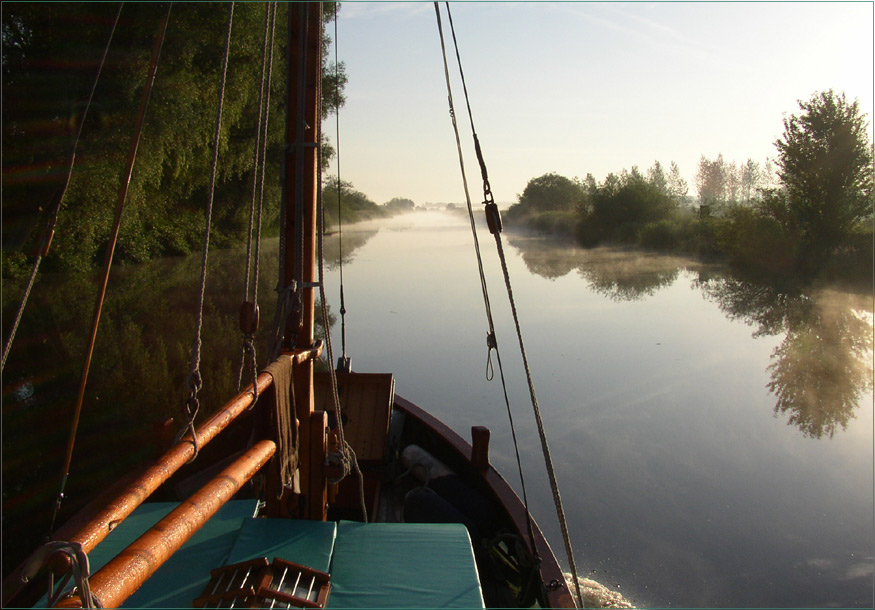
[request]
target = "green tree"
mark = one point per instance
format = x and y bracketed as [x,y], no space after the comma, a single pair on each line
[351,205]
[399,204]
[825,167]
[552,192]
[677,186]
[712,183]
[622,206]
[47,75]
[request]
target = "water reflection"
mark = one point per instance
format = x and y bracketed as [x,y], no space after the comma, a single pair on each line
[144,342]
[824,364]
[353,238]
[620,274]
[820,371]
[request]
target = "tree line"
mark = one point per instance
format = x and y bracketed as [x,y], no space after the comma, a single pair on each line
[807,212]
[51,53]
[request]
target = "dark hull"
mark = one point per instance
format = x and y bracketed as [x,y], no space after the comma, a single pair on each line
[456,452]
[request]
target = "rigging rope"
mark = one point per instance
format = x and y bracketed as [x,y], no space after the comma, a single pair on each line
[249,313]
[343,363]
[491,339]
[494,223]
[49,230]
[110,250]
[194,380]
[345,454]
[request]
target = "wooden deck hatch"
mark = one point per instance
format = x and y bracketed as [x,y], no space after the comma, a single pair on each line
[257,584]
[366,407]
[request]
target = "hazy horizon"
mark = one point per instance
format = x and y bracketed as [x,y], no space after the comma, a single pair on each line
[578,88]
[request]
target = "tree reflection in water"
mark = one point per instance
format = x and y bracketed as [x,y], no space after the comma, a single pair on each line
[621,274]
[820,371]
[824,365]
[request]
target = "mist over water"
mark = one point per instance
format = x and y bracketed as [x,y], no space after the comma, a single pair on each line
[712,438]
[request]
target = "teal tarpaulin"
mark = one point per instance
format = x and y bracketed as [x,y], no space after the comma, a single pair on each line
[403,565]
[375,565]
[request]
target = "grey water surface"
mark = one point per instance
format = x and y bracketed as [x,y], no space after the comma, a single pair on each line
[713,439]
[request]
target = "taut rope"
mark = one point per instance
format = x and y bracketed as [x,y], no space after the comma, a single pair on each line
[249,314]
[494,222]
[48,232]
[194,380]
[110,250]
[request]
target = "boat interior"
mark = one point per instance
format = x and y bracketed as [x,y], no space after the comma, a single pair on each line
[435,532]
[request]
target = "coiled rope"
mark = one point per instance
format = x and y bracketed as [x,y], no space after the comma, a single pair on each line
[495,228]
[49,230]
[194,382]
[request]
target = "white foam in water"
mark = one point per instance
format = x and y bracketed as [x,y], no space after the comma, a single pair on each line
[596,595]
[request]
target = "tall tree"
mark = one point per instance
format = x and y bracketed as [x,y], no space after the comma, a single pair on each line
[733,182]
[656,176]
[751,175]
[552,192]
[677,186]
[825,166]
[712,180]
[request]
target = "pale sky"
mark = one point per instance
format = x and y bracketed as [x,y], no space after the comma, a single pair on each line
[578,88]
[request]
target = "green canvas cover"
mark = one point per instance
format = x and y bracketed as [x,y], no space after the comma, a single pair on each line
[403,565]
[308,543]
[375,565]
[182,578]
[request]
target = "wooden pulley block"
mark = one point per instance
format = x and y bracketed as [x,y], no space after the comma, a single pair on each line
[249,317]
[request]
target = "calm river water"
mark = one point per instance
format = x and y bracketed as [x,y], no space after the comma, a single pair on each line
[713,440]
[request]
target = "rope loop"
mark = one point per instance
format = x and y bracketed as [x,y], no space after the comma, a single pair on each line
[249,347]
[190,429]
[79,572]
[192,406]
[492,344]
[194,382]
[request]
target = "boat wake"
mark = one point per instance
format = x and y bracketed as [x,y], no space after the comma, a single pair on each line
[596,595]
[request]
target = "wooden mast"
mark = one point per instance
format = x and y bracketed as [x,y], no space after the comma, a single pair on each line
[300,186]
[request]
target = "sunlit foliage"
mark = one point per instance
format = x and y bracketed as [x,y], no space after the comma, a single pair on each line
[50,58]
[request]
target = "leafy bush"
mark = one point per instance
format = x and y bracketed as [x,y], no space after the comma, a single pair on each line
[756,241]
[661,235]
[555,222]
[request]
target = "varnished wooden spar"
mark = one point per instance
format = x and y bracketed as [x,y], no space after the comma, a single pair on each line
[300,169]
[122,576]
[177,456]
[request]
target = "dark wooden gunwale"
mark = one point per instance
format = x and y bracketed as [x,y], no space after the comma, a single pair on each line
[558,593]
